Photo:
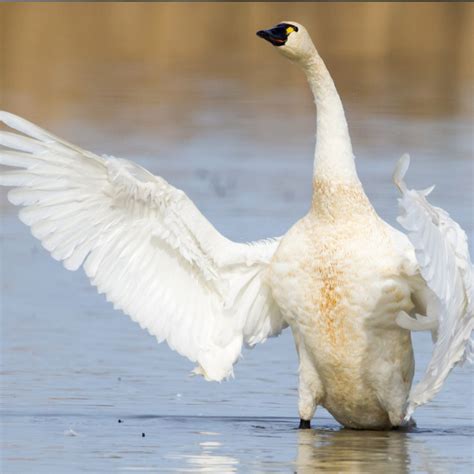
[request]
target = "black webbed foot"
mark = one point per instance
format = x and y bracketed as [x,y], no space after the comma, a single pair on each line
[305,424]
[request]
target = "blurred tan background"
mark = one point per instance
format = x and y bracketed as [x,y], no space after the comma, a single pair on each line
[56,54]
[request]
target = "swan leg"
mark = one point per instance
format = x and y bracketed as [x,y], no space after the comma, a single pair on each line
[308,393]
[393,396]
[310,390]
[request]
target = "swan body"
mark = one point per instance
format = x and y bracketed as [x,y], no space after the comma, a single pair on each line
[348,281]
[351,287]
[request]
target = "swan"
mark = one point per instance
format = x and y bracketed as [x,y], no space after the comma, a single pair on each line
[351,287]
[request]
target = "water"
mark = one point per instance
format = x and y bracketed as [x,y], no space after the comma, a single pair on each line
[235,131]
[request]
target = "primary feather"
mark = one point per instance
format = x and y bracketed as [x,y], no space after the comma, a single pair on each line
[143,244]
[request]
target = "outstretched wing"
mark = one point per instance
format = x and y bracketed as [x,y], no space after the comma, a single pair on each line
[444,263]
[143,244]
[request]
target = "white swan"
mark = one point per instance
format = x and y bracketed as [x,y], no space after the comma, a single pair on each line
[350,286]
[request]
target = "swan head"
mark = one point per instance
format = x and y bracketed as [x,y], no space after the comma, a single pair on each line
[291,39]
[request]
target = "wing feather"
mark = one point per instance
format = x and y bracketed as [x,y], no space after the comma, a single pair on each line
[442,253]
[143,244]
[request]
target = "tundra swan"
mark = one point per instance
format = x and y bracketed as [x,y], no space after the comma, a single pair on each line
[351,287]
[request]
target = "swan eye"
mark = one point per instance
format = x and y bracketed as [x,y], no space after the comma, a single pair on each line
[288,28]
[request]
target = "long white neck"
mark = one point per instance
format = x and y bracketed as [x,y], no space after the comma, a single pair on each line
[333,158]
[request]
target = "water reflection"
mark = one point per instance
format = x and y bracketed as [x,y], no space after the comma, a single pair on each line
[210,461]
[352,451]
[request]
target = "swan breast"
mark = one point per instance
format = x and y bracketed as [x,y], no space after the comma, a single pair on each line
[337,280]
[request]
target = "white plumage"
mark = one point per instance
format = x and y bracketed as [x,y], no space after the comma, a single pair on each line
[144,245]
[350,286]
[445,265]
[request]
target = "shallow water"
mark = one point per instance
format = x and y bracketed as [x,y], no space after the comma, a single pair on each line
[240,145]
